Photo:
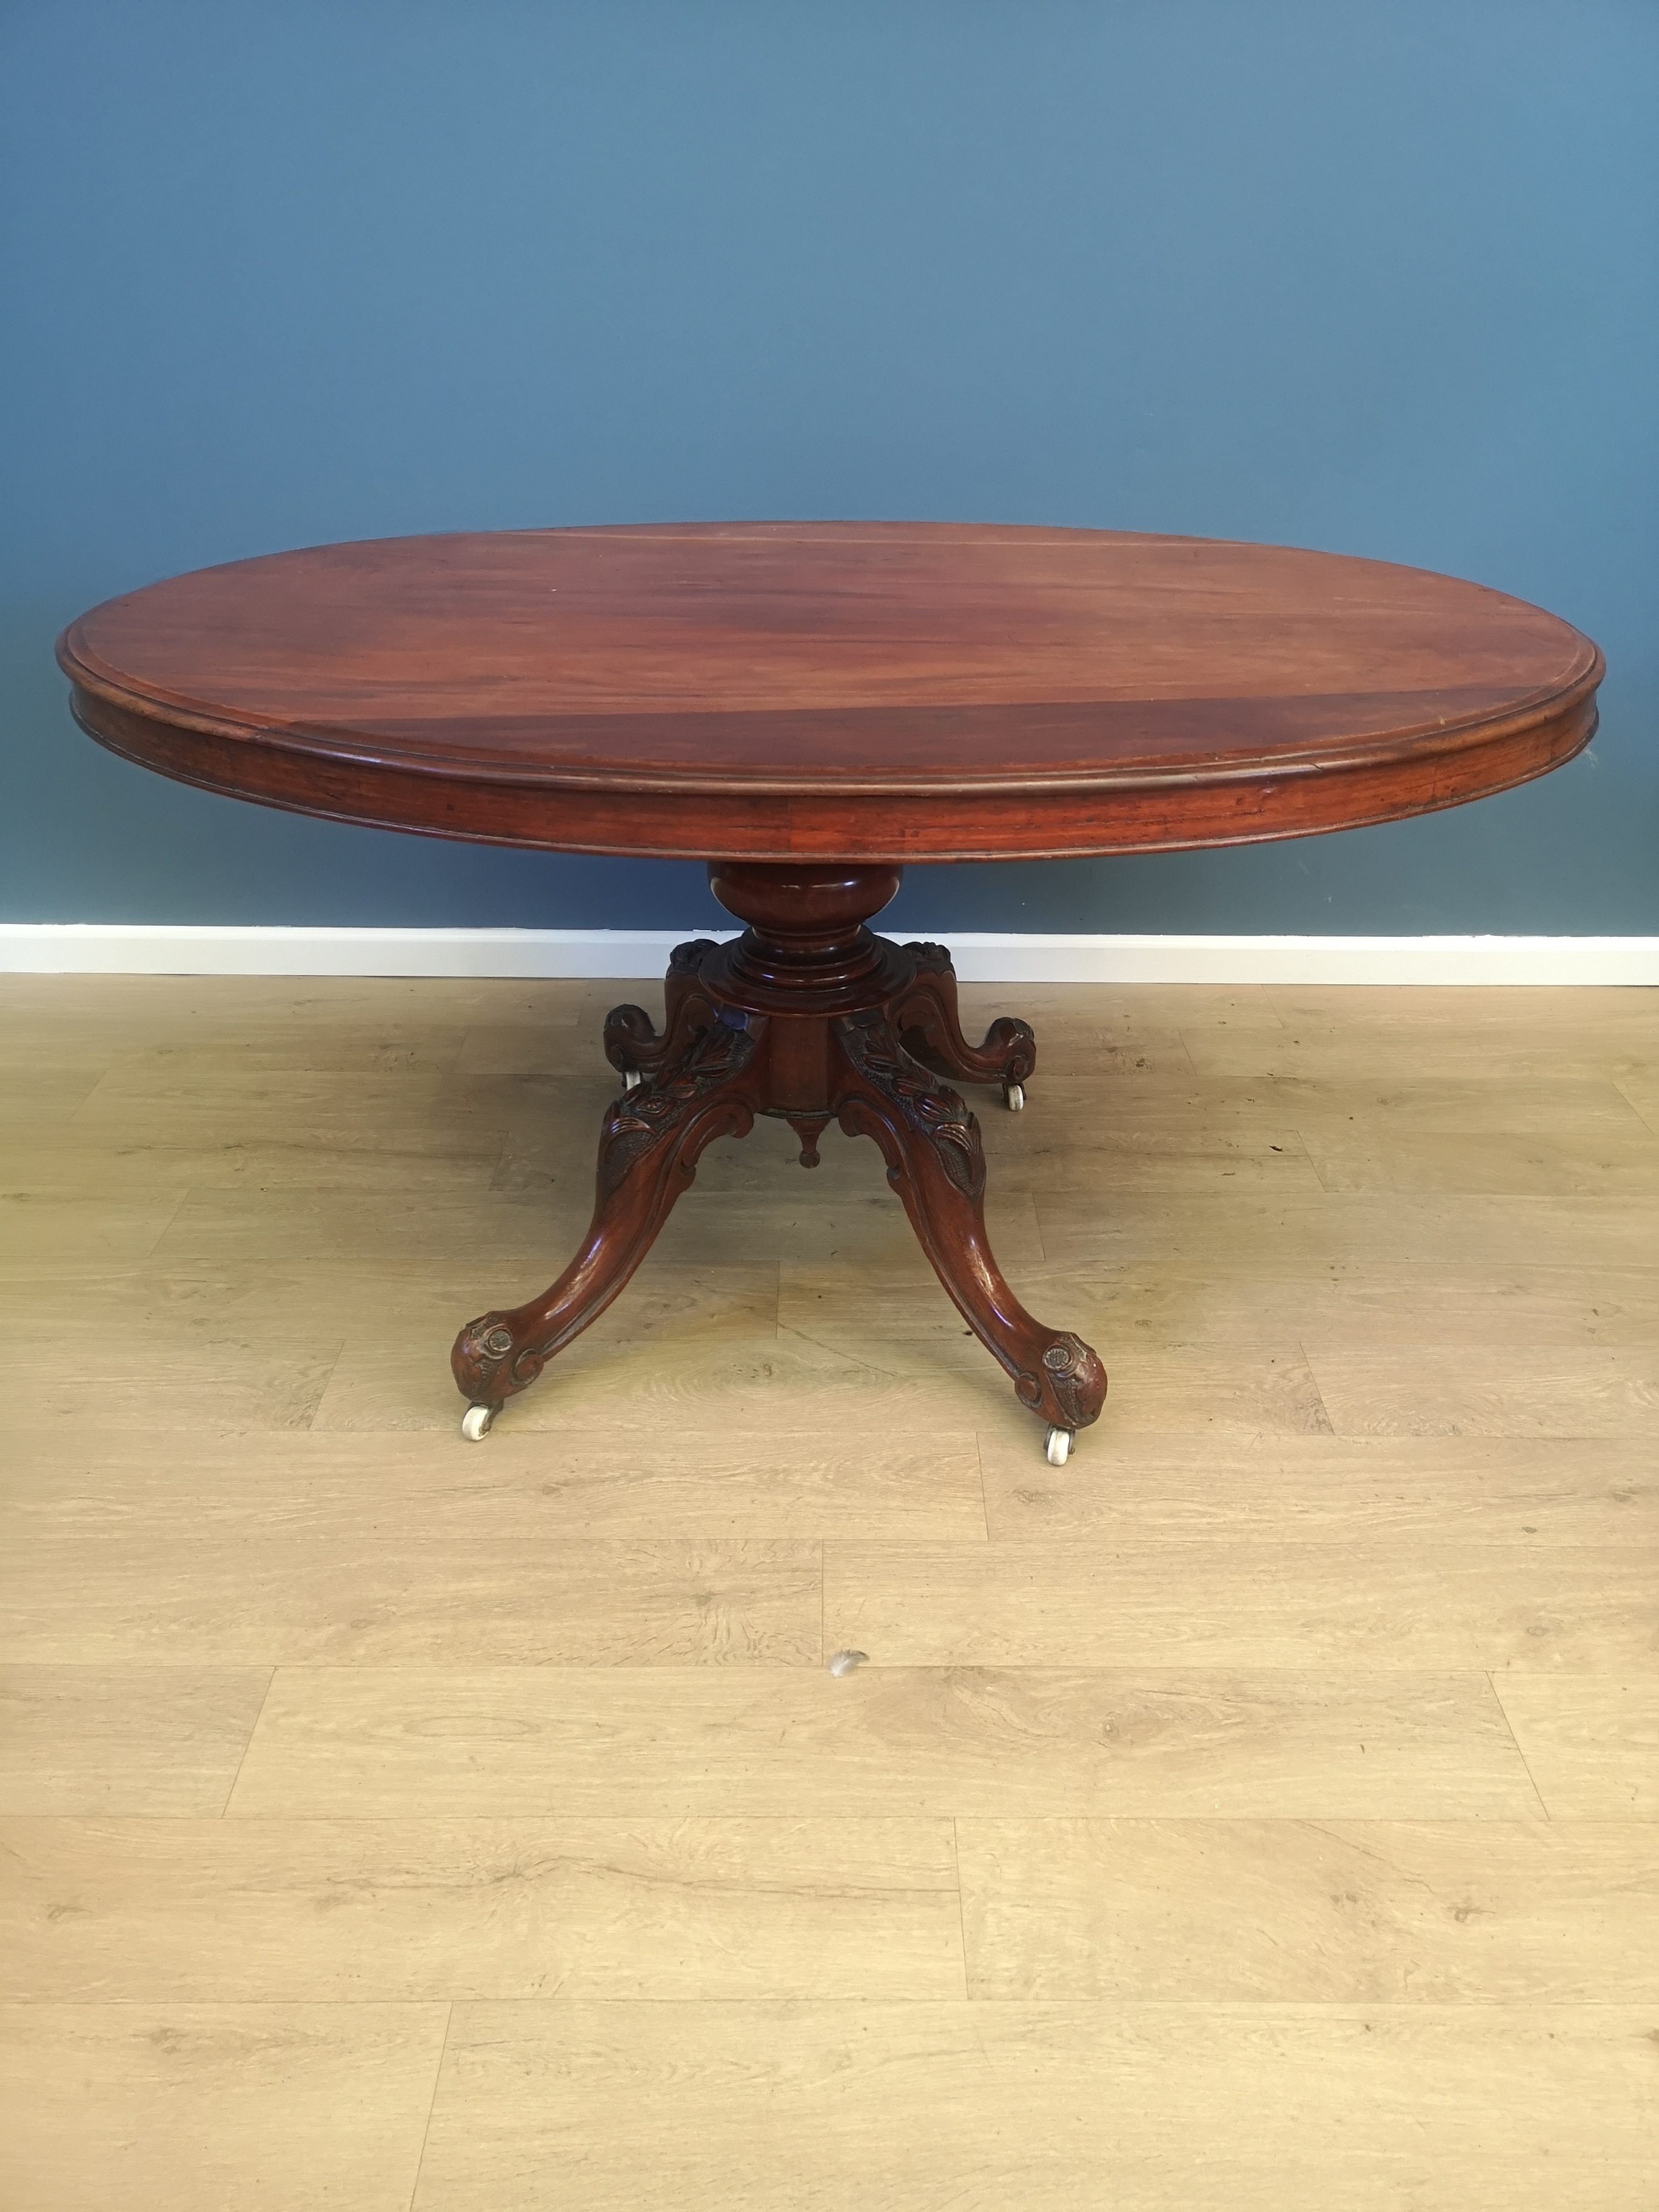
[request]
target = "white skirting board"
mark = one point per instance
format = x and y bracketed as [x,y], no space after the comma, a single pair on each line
[981,956]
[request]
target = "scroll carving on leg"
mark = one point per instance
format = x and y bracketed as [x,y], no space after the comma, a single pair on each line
[649,1145]
[936,1163]
[633,1047]
[928,1023]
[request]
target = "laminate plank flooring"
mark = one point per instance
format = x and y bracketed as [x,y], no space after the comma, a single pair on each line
[1495,1389]
[1382,1602]
[1259,1811]
[266,1600]
[1313,1912]
[885,1740]
[351,1488]
[1012,2105]
[297,1911]
[1591,1740]
[1267,1239]
[269,2107]
[148,1740]
[1451,1496]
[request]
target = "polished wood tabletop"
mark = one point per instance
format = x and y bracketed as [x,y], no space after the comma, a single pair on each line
[881,691]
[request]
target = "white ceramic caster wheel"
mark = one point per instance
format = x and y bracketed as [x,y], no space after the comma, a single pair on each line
[1060,1446]
[475,1423]
[1015,1094]
[632,1079]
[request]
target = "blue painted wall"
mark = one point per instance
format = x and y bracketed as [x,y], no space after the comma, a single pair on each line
[1378,277]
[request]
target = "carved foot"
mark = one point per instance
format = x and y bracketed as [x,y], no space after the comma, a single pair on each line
[650,1146]
[633,1047]
[481,1351]
[926,1018]
[936,1163]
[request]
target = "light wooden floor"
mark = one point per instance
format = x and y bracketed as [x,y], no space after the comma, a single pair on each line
[1261,1812]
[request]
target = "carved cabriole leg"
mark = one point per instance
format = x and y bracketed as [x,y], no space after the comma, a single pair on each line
[925,1018]
[633,1047]
[649,1147]
[930,1143]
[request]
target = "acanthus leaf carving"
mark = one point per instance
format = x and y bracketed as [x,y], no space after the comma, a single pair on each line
[930,959]
[934,1110]
[641,1119]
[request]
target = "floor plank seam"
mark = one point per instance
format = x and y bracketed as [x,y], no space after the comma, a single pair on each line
[1625,1094]
[961,1913]
[224,1810]
[1313,1377]
[1309,1154]
[984,1494]
[1499,1696]
[837,1352]
[432,2102]
[184,1200]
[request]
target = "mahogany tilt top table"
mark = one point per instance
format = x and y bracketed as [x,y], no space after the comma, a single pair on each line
[807,707]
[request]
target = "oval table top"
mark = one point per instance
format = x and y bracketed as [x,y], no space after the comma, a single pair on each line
[892,691]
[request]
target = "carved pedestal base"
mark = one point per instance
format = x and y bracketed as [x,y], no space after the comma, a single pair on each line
[810,1018]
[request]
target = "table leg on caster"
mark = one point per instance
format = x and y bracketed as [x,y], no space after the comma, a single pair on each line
[928,1022]
[633,1048]
[652,1139]
[936,1163]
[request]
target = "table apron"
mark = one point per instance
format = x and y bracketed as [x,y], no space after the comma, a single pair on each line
[1134,814]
